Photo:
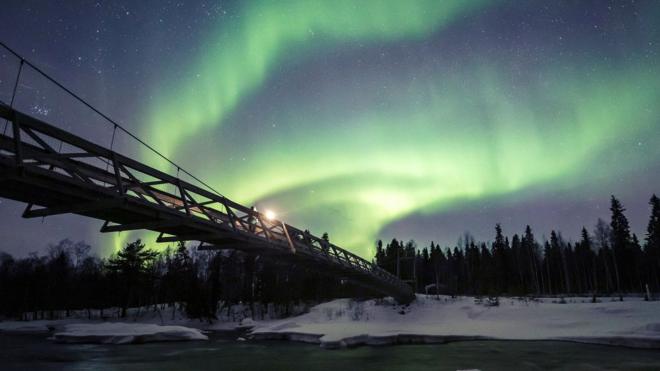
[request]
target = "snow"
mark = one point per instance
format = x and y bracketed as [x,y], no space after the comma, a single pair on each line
[25,326]
[246,323]
[234,317]
[345,322]
[125,333]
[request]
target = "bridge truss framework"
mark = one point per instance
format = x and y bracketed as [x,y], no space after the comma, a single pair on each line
[97,182]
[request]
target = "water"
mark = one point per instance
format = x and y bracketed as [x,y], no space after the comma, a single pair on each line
[222,352]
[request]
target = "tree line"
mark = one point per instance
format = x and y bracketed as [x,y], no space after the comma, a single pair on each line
[610,260]
[200,283]
[203,283]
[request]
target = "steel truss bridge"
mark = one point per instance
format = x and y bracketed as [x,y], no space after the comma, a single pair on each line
[91,180]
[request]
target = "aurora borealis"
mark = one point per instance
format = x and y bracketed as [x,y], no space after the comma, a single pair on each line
[376,119]
[245,50]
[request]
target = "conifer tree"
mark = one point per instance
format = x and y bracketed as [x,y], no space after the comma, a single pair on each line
[131,265]
[621,241]
[652,245]
[500,259]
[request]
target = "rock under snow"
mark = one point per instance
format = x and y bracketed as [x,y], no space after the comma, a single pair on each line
[246,323]
[125,333]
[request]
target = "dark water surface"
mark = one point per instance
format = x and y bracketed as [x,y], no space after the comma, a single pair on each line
[222,352]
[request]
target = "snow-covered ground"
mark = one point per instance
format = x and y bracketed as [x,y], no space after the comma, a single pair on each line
[124,333]
[344,322]
[145,324]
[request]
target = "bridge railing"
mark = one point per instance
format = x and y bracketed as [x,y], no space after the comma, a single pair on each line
[28,77]
[43,147]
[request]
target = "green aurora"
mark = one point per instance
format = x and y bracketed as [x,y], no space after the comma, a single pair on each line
[244,51]
[353,152]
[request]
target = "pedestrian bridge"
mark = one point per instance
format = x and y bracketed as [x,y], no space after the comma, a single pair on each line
[80,177]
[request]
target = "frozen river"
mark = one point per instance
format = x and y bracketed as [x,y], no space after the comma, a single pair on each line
[222,352]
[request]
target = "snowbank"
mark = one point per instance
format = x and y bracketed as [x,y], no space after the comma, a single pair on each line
[125,333]
[344,322]
[228,318]
[26,326]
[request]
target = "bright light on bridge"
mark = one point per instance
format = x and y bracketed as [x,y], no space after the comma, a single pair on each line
[270,214]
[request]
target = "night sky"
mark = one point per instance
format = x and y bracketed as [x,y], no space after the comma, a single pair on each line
[366,119]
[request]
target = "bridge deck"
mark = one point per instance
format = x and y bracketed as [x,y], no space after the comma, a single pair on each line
[96,182]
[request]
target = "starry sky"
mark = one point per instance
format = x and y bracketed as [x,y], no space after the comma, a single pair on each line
[366,119]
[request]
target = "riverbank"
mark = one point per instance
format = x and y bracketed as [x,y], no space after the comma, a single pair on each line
[345,323]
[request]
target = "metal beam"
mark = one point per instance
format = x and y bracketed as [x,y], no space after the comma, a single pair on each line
[216,247]
[151,225]
[71,209]
[189,237]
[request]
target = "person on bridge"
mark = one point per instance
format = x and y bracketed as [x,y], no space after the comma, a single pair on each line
[325,242]
[252,221]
